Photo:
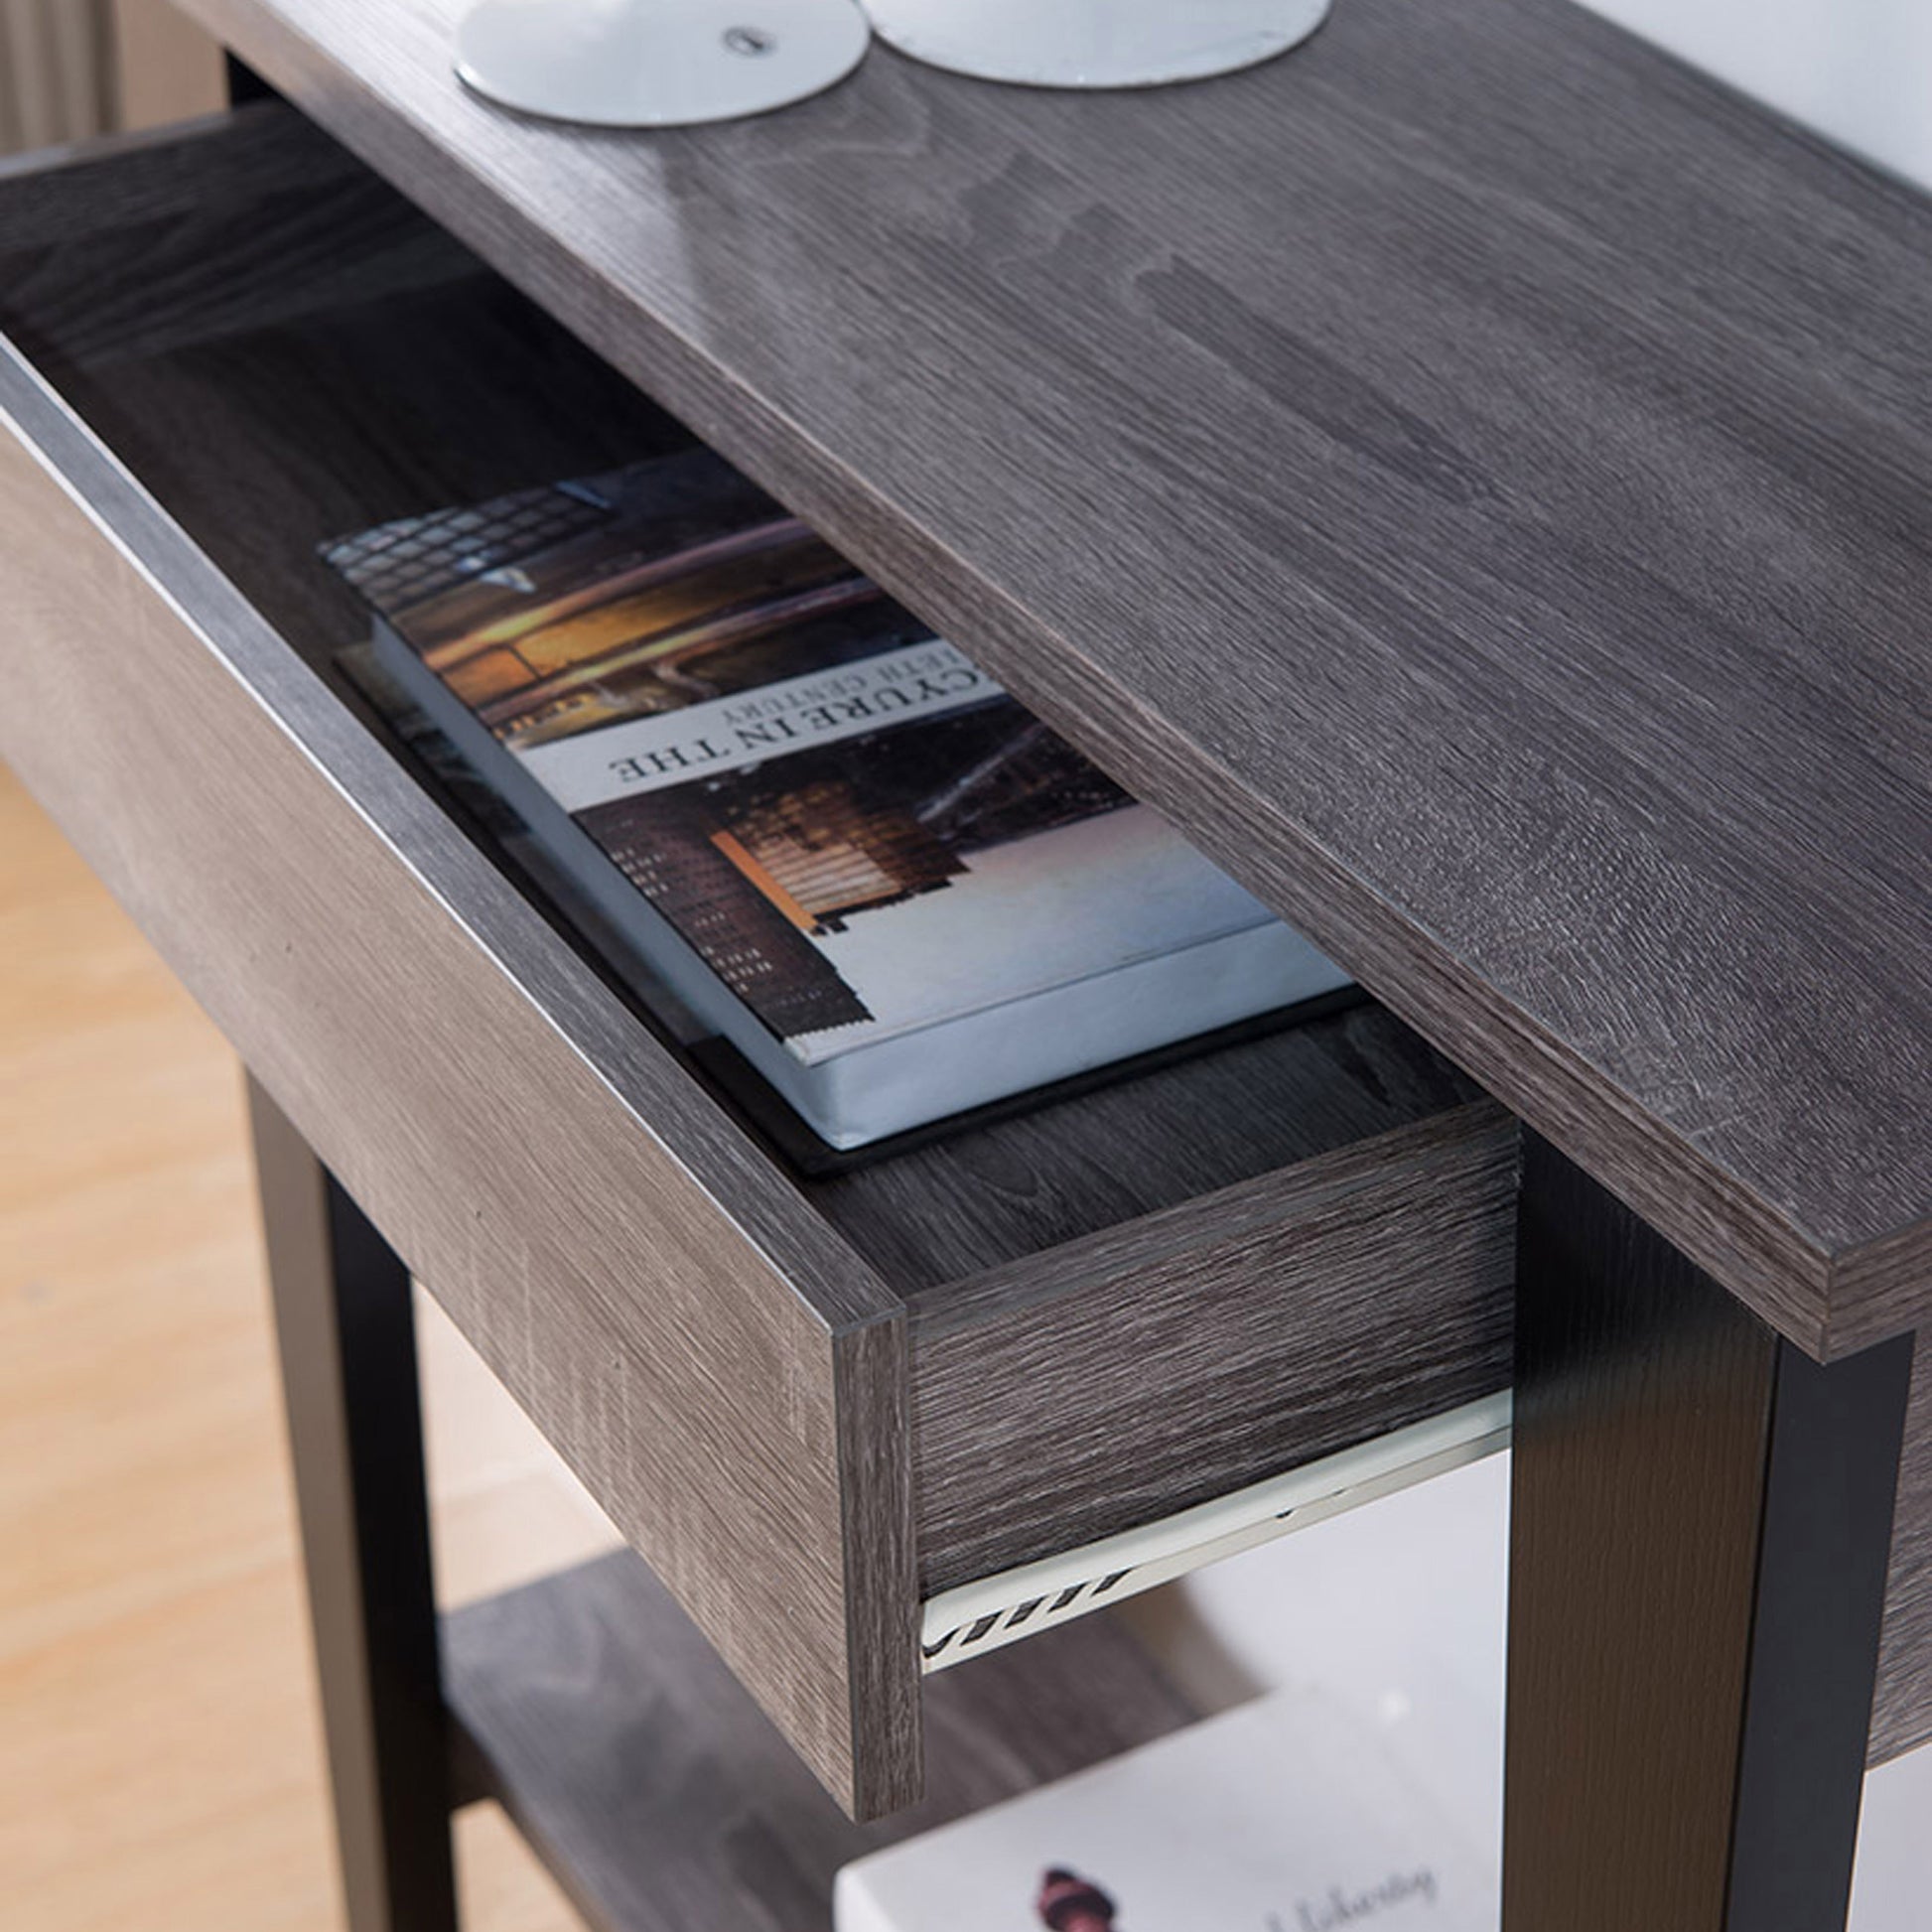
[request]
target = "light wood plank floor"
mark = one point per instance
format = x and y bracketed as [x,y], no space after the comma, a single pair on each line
[160,1763]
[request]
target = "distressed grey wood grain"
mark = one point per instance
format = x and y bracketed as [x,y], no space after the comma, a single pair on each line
[389,374]
[977,1200]
[1115,1379]
[683,1327]
[1471,473]
[56,194]
[663,1802]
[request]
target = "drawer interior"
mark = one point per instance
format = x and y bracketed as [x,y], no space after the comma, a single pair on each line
[282,351]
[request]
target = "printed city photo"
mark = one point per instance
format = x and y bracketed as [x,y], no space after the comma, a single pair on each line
[898,893]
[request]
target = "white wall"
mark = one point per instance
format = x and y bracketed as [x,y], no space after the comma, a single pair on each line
[1859,72]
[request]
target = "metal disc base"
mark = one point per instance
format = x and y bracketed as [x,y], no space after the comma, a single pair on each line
[657,62]
[1095,43]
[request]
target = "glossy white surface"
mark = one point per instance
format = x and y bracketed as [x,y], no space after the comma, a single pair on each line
[1095,43]
[657,62]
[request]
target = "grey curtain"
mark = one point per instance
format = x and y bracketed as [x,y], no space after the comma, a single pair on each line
[57,71]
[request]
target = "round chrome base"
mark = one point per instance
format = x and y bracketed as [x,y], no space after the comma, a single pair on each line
[657,62]
[1095,43]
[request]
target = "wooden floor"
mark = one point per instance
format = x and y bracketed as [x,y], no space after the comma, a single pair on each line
[160,1761]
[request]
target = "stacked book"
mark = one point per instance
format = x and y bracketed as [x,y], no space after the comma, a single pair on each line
[1290,1813]
[843,847]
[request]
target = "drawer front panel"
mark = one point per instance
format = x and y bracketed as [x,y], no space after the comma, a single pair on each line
[726,1377]
[1116,1380]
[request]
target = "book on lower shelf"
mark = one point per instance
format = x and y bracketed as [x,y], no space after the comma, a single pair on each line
[836,839]
[1289,1814]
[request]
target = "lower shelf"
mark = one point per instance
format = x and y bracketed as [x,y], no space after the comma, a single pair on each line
[662,1799]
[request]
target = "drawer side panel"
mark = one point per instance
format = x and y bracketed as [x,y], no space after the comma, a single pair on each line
[706,1357]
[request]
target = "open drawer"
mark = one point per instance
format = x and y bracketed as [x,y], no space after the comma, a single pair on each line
[812,1403]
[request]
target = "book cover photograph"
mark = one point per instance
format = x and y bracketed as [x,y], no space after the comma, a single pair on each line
[830,830]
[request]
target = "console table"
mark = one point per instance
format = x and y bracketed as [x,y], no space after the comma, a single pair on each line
[1472,476]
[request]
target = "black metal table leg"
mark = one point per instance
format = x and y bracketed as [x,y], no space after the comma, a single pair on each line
[345,1330]
[1701,1524]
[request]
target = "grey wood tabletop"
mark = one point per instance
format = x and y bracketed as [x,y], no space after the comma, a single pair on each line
[1472,473]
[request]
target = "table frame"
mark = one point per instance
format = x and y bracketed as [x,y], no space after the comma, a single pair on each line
[1700,1526]
[1691,1662]
[344,1324]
